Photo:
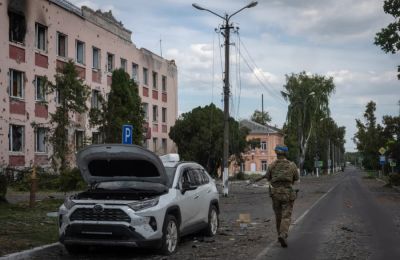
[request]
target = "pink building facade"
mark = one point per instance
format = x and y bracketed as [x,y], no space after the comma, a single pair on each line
[257,159]
[37,37]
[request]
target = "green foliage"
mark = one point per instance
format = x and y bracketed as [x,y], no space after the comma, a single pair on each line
[389,38]
[254,143]
[308,97]
[124,106]
[368,137]
[394,179]
[199,137]
[71,180]
[73,94]
[3,187]
[261,118]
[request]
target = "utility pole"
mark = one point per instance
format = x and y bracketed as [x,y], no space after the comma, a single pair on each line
[225,31]
[262,108]
[329,156]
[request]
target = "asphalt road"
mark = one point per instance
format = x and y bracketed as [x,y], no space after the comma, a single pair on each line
[353,221]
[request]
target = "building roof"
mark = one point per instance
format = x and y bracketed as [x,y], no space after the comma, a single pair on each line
[256,128]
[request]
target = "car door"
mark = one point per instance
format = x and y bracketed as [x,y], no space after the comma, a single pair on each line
[205,191]
[188,200]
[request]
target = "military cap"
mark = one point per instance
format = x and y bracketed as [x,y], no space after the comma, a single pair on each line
[281,149]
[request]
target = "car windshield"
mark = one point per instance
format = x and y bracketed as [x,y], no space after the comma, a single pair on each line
[130,185]
[171,174]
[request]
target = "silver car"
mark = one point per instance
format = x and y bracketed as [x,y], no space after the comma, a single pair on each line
[137,199]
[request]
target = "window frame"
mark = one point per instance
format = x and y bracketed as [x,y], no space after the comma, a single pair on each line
[37,38]
[155,115]
[98,58]
[65,44]
[145,76]
[164,115]
[164,83]
[77,43]
[11,138]
[39,79]
[37,130]
[145,109]
[135,72]
[94,100]
[124,64]
[154,78]
[22,24]
[110,63]
[264,165]
[263,145]
[79,146]
[164,145]
[21,87]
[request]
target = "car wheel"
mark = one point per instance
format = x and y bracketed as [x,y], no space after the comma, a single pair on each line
[75,249]
[213,221]
[170,237]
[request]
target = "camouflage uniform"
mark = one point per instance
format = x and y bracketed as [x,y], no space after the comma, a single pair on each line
[282,174]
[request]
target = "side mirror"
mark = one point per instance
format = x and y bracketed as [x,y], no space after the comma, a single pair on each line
[186,186]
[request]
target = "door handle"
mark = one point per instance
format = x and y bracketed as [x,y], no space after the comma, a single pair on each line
[208,191]
[196,197]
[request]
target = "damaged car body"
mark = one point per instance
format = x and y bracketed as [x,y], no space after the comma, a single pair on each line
[136,199]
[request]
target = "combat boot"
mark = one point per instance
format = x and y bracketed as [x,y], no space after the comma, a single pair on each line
[283,241]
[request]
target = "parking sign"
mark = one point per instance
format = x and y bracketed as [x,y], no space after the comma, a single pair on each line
[127,132]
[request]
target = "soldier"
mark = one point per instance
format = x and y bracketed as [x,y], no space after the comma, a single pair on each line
[281,175]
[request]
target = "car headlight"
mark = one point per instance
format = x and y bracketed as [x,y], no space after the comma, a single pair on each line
[140,205]
[68,203]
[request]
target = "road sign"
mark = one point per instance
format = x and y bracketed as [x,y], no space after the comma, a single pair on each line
[382,150]
[382,159]
[392,164]
[318,164]
[127,132]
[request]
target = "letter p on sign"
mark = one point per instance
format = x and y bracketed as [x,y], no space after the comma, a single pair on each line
[127,131]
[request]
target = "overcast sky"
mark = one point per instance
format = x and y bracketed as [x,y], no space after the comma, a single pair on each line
[277,37]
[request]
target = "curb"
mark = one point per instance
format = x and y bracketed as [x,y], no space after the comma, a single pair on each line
[26,254]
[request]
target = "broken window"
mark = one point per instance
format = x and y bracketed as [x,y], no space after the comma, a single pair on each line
[39,89]
[41,37]
[17,28]
[164,83]
[16,138]
[61,45]
[155,80]
[96,138]
[16,84]
[96,58]
[79,139]
[80,52]
[110,62]
[123,64]
[40,140]
[95,99]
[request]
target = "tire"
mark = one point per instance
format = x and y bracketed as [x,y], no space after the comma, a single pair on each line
[213,222]
[75,249]
[170,238]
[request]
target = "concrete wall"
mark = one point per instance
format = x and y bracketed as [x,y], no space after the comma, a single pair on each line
[33,62]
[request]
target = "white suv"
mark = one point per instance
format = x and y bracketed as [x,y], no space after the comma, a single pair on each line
[136,199]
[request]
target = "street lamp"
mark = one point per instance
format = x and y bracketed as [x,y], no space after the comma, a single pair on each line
[225,31]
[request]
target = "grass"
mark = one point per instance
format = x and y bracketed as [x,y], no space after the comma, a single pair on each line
[22,227]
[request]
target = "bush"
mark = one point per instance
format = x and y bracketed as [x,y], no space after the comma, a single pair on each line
[241,176]
[394,179]
[71,180]
[3,188]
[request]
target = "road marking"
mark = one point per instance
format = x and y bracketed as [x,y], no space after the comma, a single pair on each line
[27,253]
[263,253]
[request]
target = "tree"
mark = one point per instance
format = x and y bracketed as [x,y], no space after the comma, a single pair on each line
[260,117]
[72,95]
[124,106]
[368,137]
[308,97]
[389,38]
[391,136]
[198,135]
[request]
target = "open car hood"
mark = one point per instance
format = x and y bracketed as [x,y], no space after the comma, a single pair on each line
[119,162]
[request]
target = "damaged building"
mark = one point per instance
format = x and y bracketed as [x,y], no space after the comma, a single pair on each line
[40,36]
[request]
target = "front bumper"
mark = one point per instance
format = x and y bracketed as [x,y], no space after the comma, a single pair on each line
[109,234]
